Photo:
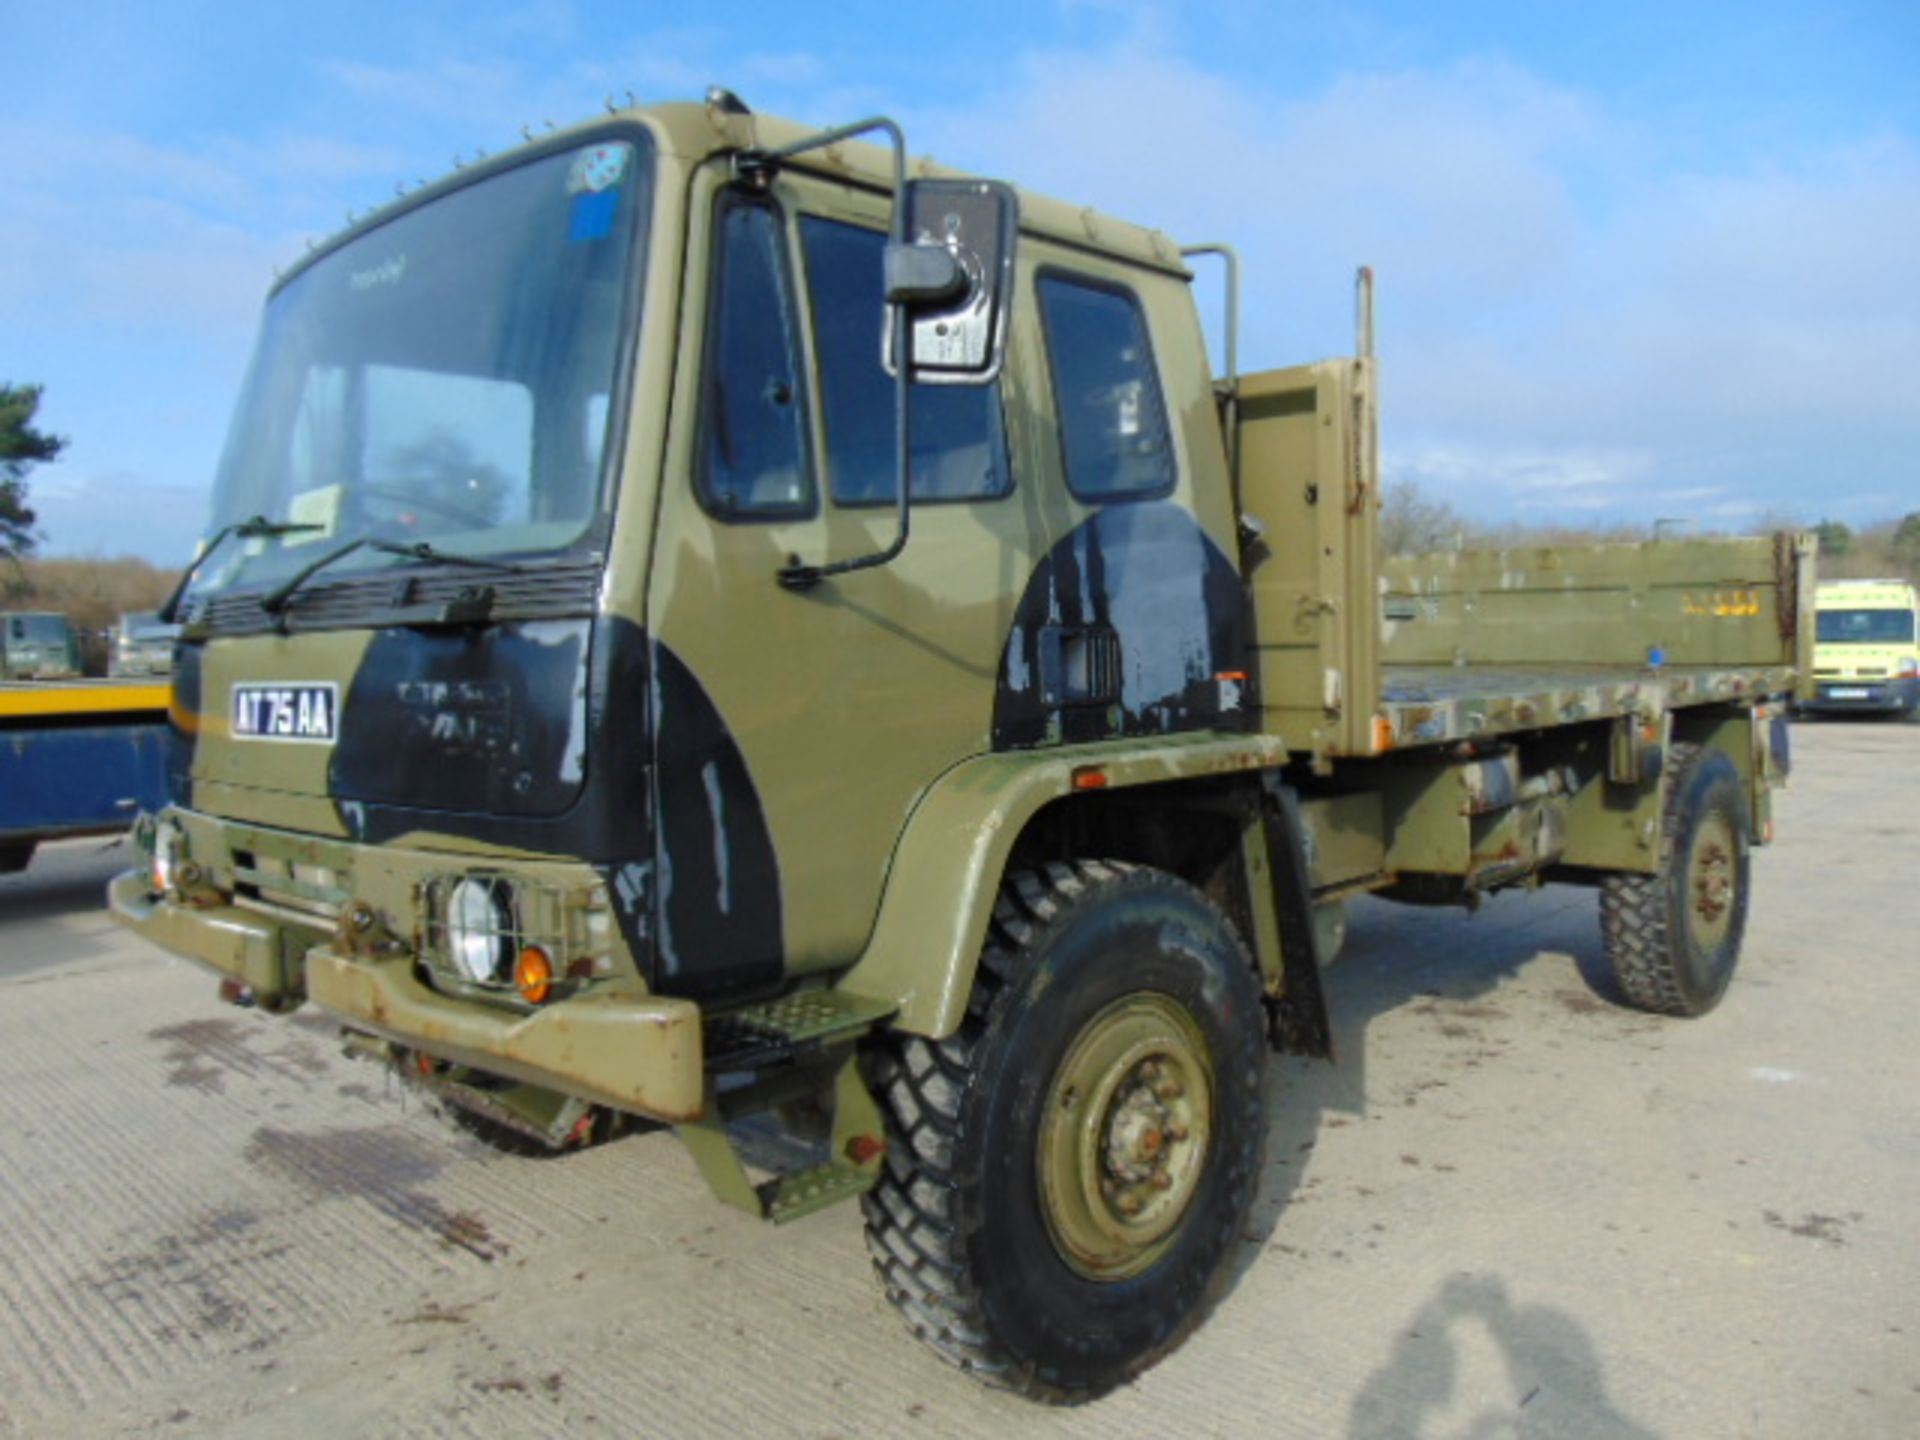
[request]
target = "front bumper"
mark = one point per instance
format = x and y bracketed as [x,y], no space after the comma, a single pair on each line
[1880,696]
[639,1053]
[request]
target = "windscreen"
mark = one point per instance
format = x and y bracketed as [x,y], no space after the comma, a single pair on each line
[444,377]
[40,629]
[1865,627]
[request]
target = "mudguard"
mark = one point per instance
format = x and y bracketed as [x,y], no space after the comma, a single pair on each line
[947,867]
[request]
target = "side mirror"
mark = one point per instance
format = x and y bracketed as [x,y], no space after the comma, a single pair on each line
[955,279]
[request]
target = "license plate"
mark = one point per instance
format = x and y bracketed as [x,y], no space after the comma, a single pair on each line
[1847,692]
[298,712]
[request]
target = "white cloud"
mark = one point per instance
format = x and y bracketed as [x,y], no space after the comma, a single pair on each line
[1546,288]
[449,89]
[1562,321]
[1490,480]
[1448,182]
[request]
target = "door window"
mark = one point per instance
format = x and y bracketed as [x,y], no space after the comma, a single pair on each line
[958,450]
[752,463]
[1113,423]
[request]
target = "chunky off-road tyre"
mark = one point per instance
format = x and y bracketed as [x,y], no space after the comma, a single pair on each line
[1673,938]
[1067,1177]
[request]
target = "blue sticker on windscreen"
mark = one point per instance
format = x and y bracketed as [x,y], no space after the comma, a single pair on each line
[593,215]
[597,169]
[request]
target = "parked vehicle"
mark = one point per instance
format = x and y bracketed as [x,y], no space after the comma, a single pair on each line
[616,684]
[36,644]
[142,645]
[77,757]
[1866,654]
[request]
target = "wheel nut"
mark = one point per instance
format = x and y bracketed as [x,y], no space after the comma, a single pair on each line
[1176,1132]
[1161,1180]
[1129,1204]
[1169,1090]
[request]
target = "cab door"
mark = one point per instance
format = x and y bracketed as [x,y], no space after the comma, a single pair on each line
[795,729]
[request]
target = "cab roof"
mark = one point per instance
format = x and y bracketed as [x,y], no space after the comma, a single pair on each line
[694,131]
[1890,594]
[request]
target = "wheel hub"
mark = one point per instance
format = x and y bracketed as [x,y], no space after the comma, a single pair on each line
[1144,1129]
[1711,880]
[1124,1137]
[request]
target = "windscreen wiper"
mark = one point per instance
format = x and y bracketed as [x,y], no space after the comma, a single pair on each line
[258,528]
[275,601]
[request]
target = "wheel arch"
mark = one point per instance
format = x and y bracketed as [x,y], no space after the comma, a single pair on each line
[991,813]
[1734,731]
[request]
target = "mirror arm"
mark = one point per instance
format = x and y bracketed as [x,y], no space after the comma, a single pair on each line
[1231,418]
[757,167]
[796,576]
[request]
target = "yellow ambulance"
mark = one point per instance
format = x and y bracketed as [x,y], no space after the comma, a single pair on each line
[1866,647]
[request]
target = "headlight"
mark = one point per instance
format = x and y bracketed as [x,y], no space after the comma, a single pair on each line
[480,930]
[166,851]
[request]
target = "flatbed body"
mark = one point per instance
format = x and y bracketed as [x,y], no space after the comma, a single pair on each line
[1433,704]
[1359,653]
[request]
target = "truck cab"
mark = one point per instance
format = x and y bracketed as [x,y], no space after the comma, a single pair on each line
[1866,648]
[537,447]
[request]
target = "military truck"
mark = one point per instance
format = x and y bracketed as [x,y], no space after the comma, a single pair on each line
[712,623]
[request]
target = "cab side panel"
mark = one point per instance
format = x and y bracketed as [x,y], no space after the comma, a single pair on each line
[1134,622]
[1132,625]
[844,701]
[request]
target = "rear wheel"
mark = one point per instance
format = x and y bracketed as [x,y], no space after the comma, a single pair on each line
[1673,938]
[1067,1176]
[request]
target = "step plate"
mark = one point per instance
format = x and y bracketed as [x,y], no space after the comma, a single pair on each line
[776,1030]
[796,1195]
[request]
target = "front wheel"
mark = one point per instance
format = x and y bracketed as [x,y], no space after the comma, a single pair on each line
[1068,1175]
[1673,937]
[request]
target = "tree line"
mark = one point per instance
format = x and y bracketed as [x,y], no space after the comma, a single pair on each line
[1413,522]
[22,446]
[92,593]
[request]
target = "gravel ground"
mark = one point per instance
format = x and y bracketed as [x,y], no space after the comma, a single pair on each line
[1512,1208]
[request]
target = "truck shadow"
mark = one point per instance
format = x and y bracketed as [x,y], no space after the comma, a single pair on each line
[1556,1381]
[66,880]
[1447,966]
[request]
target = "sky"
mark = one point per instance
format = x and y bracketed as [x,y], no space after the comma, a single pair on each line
[1635,261]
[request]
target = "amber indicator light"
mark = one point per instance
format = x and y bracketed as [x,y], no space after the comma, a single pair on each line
[533,974]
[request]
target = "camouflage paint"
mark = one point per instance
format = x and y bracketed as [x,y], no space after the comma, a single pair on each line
[1132,625]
